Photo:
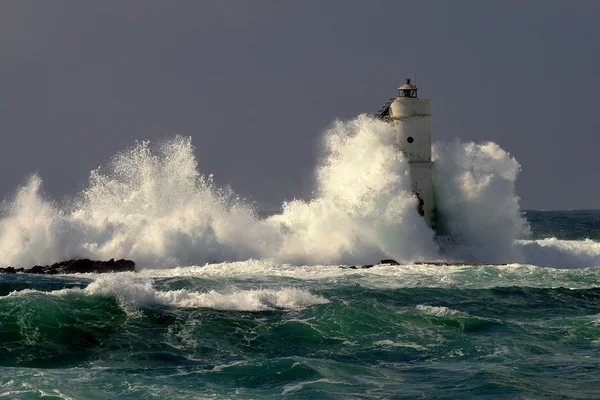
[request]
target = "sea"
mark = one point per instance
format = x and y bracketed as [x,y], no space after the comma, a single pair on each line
[229,302]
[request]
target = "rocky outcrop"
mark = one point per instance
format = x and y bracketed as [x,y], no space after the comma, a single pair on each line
[76,267]
[436,263]
[387,261]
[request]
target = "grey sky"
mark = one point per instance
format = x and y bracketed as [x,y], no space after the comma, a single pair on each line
[256,82]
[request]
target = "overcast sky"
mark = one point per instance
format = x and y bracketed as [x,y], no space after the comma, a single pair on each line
[255,83]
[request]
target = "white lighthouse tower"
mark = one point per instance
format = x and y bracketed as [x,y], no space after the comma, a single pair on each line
[411,118]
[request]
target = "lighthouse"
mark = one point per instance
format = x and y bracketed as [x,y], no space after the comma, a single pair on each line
[411,119]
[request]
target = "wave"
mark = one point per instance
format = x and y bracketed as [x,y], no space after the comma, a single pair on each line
[440,311]
[388,277]
[558,253]
[455,318]
[477,202]
[152,205]
[133,293]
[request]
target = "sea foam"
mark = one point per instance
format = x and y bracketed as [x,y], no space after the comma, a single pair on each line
[557,253]
[137,293]
[134,292]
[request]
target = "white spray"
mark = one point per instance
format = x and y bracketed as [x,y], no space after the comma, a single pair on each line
[363,210]
[151,204]
[476,200]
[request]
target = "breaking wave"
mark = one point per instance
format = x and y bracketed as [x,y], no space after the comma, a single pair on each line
[152,205]
[133,293]
[476,200]
[557,253]
[440,311]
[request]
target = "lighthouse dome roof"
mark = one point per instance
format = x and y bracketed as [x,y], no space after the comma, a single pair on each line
[407,86]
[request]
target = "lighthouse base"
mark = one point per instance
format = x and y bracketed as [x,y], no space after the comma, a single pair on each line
[422,187]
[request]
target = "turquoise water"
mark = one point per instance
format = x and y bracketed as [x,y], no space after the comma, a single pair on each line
[258,329]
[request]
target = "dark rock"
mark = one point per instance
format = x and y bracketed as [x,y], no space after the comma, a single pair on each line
[77,267]
[37,269]
[387,261]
